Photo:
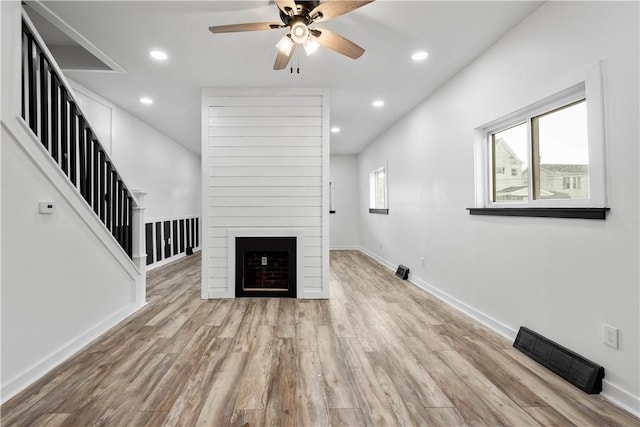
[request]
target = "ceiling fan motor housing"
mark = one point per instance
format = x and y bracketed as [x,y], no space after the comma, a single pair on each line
[304,7]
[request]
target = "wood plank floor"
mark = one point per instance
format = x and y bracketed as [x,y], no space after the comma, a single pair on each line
[379,353]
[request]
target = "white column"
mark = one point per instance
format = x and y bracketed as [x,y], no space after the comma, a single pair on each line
[139,247]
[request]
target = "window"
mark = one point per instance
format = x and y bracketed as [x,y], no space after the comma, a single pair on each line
[554,150]
[378,192]
[540,153]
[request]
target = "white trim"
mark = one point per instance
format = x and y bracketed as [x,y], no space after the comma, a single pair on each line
[610,392]
[585,83]
[205,293]
[346,248]
[82,41]
[326,198]
[65,352]
[298,233]
[477,315]
[621,398]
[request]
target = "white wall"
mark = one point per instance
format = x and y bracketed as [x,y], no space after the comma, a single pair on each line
[344,184]
[561,277]
[265,167]
[146,158]
[65,280]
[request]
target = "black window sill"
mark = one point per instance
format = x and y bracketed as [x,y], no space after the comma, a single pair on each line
[379,211]
[332,212]
[582,213]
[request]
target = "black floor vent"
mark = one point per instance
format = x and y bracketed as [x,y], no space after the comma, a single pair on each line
[402,272]
[582,373]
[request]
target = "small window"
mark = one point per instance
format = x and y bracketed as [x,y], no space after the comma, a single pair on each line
[552,152]
[378,192]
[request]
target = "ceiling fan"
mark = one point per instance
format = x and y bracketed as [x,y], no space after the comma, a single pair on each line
[298,16]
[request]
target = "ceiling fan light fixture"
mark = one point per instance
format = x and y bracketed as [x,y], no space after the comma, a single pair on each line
[299,32]
[285,45]
[311,45]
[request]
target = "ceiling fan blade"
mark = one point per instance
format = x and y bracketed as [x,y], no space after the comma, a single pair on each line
[331,9]
[287,6]
[254,26]
[283,59]
[338,43]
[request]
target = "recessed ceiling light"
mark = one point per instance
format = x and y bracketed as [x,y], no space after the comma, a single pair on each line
[335,129]
[146,101]
[378,103]
[159,55]
[419,56]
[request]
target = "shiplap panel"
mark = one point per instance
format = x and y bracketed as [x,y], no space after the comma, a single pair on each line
[264,191]
[266,222]
[265,121]
[264,111]
[264,201]
[265,151]
[313,241]
[265,157]
[238,161]
[313,261]
[265,101]
[301,131]
[263,171]
[222,272]
[312,271]
[264,141]
[312,251]
[266,211]
[267,181]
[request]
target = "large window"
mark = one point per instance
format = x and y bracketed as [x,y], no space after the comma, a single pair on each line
[548,155]
[378,193]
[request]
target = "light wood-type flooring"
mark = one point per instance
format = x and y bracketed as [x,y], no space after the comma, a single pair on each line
[380,352]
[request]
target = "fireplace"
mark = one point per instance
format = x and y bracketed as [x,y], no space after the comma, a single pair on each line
[266,267]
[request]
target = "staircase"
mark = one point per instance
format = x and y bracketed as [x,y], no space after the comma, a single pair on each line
[70,275]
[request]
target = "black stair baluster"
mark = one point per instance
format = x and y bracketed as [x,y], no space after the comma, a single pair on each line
[54,116]
[33,114]
[44,102]
[96,177]
[88,151]
[64,126]
[102,191]
[108,197]
[73,144]
[81,155]
[114,203]
[121,210]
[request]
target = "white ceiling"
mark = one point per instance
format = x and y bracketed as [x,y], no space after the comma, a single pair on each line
[454,33]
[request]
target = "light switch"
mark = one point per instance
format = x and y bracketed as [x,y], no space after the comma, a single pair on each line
[46,207]
[264,260]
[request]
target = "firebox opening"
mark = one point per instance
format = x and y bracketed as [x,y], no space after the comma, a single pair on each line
[266,267]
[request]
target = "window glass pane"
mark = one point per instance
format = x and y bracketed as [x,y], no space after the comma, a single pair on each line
[380,190]
[510,154]
[563,152]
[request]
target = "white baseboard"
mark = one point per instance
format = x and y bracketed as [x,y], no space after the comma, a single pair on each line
[621,398]
[610,392]
[346,248]
[315,294]
[37,371]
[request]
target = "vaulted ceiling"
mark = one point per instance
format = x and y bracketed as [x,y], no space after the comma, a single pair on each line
[453,33]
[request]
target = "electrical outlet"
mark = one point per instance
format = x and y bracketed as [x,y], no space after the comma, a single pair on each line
[380,245]
[610,335]
[423,262]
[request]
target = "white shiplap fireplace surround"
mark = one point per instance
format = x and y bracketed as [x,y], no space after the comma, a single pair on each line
[265,173]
